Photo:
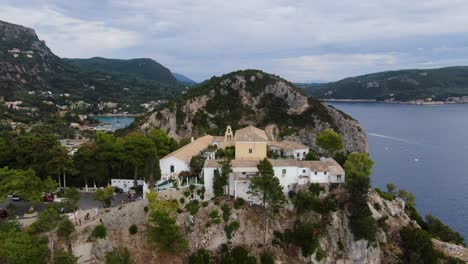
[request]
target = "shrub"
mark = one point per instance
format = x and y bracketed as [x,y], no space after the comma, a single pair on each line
[65,228]
[267,258]
[320,254]
[182,200]
[165,232]
[315,189]
[238,254]
[133,229]
[385,195]
[204,204]
[226,212]
[202,256]
[238,203]
[187,193]
[417,246]
[304,235]
[193,207]
[230,228]
[119,257]
[63,257]
[146,209]
[439,230]
[100,231]
[414,215]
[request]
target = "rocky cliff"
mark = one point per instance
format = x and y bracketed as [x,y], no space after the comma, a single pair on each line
[335,239]
[253,97]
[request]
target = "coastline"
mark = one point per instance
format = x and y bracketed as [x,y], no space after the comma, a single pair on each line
[413,102]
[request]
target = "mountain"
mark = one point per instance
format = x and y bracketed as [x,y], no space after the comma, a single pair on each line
[183,79]
[402,85]
[253,97]
[141,68]
[32,73]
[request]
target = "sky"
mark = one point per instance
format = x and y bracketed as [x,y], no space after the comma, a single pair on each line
[300,40]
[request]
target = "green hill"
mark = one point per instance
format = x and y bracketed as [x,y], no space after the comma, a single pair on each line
[147,69]
[402,85]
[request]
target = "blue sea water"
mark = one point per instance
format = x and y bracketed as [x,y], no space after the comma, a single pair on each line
[423,149]
[115,122]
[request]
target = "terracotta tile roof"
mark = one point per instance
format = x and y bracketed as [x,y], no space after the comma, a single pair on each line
[286,144]
[212,164]
[218,138]
[194,148]
[250,134]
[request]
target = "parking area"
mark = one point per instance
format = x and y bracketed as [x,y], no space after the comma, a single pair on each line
[86,202]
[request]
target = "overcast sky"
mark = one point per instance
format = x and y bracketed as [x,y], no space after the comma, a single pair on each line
[301,40]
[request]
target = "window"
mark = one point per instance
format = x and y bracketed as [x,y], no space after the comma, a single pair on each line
[315,173]
[325,173]
[250,151]
[298,154]
[244,173]
[284,172]
[172,168]
[303,171]
[338,177]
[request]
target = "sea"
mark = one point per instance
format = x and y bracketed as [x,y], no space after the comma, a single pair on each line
[115,122]
[423,149]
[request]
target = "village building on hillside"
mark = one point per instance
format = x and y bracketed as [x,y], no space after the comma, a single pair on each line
[289,149]
[251,146]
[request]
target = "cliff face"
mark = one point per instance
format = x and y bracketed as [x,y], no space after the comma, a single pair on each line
[336,240]
[256,98]
[24,59]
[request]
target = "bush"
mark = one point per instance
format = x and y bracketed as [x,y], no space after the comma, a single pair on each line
[267,258]
[439,230]
[237,255]
[119,257]
[146,209]
[204,204]
[63,257]
[238,203]
[182,200]
[193,207]
[304,235]
[166,233]
[202,256]
[133,229]
[230,228]
[385,195]
[320,254]
[226,212]
[417,246]
[100,231]
[187,193]
[65,228]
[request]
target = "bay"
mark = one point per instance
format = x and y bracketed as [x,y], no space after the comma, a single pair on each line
[421,148]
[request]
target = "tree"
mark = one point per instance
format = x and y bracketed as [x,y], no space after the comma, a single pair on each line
[311,155]
[23,183]
[417,246]
[164,143]
[267,189]
[19,247]
[46,221]
[329,141]
[109,151]
[196,165]
[104,195]
[61,163]
[358,168]
[220,179]
[72,198]
[85,159]
[49,185]
[137,149]
[439,230]
[391,188]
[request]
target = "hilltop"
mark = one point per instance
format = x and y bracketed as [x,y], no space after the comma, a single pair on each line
[140,68]
[404,85]
[30,72]
[253,97]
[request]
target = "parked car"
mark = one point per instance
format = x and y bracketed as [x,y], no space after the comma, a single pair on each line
[15,197]
[118,190]
[3,214]
[48,198]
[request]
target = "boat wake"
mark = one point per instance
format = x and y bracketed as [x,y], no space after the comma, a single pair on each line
[390,137]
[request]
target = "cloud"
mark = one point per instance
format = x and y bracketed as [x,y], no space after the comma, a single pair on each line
[68,36]
[206,37]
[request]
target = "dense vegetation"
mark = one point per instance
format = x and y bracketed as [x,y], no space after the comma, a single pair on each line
[225,105]
[139,68]
[402,85]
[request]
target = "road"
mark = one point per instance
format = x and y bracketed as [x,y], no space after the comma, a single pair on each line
[86,202]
